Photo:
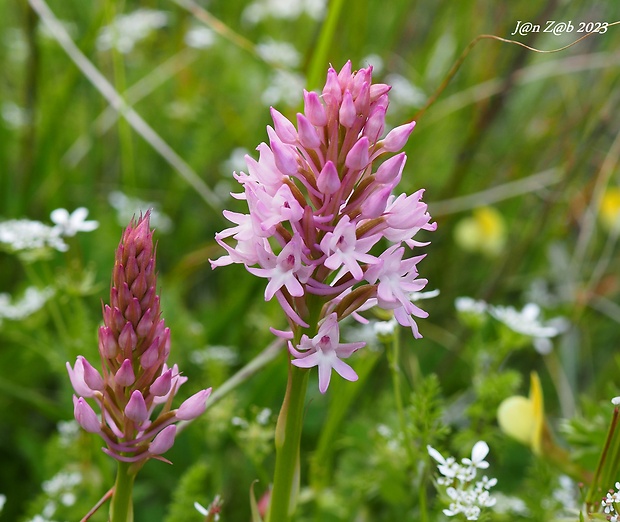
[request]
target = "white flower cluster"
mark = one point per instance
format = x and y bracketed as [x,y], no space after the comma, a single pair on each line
[278,53]
[467,496]
[24,234]
[60,488]
[283,9]
[219,354]
[19,235]
[527,321]
[32,301]
[128,207]
[128,29]
[284,87]
[609,504]
[199,37]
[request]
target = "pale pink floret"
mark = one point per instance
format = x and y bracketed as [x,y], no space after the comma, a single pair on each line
[343,248]
[325,350]
[285,270]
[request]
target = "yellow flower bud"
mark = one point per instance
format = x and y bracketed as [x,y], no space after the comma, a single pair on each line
[609,212]
[523,418]
[483,232]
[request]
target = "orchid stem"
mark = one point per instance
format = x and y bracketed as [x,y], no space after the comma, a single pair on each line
[287,441]
[121,508]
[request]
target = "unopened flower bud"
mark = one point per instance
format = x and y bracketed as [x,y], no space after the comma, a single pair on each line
[161,386]
[284,128]
[125,375]
[194,406]
[107,343]
[314,109]
[397,138]
[127,339]
[85,415]
[136,408]
[391,169]
[347,112]
[91,376]
[308,136]
[328,180]
[163,441]
[357,158]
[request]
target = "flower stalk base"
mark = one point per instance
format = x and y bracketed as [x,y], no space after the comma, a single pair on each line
[287,441]
[121,508]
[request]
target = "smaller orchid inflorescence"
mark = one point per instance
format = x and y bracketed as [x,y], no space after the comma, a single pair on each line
[134,345]
[324,227]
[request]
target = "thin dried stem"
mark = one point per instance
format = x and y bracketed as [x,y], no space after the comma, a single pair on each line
[610,164]
[457,65]
[118,102]
[136,92]
[495,194]
[218,26]
[96,507]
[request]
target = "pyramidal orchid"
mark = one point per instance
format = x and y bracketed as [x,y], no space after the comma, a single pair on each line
[135,389]
[326,230]
[321,210]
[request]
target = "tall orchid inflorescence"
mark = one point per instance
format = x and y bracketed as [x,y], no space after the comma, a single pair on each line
[319,212]
[134,345]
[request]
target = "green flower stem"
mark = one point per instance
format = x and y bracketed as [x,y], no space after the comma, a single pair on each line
[287,441]
[121,508]
[394,362]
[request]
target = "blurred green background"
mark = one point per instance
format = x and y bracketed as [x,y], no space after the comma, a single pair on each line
[534,136]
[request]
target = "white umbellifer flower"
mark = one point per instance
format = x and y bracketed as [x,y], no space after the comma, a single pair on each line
[403,92]
[283,9]
[222,354]
[263,416]
[278,53]
[478,453]
[31,302]
[14,116]
[615,401]
[466,496]
[240,422]
[128,29]
[20,235]
[375,60]
[127,208]
[199,37]
[70,224]
[528,322]
[62,482]
[384,328]
[470,306]
[609,503]
[67,432]
[285,87]
[2,502]
[236,160]
[49,509]
[509,504]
